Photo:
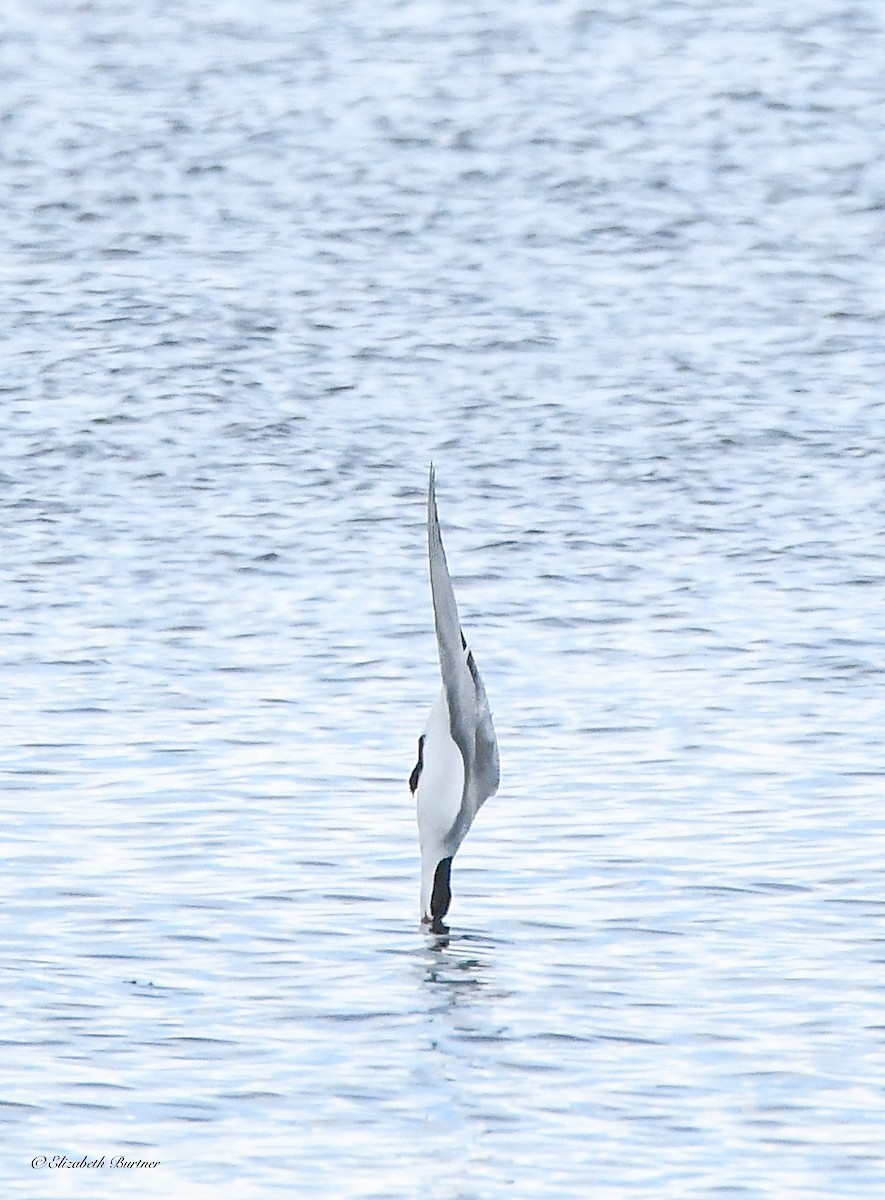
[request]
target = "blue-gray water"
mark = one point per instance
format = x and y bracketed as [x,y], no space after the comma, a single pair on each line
[618,270]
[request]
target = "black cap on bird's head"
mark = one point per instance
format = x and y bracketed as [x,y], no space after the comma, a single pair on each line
[441,896]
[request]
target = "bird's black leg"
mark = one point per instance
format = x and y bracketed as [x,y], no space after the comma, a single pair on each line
[419,767]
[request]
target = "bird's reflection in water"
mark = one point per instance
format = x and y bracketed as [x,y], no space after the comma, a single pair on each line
[460,1019]
[456,963]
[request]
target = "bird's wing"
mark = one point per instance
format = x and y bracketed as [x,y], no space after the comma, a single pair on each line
[470,721]
[487,770]
[456,677]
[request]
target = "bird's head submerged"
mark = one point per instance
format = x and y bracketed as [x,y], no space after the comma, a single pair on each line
[436,892]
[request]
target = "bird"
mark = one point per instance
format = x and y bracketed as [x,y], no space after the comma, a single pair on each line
[458,766]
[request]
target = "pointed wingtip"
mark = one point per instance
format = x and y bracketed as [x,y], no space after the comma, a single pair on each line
[431,499]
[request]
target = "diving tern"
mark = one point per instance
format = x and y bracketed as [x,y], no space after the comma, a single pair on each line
[457,768]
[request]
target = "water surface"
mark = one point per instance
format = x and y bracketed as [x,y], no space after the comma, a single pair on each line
[618,273]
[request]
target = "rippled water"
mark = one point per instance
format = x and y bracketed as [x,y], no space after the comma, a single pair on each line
[618,271]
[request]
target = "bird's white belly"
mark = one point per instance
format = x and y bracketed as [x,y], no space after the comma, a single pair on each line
[441,784]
